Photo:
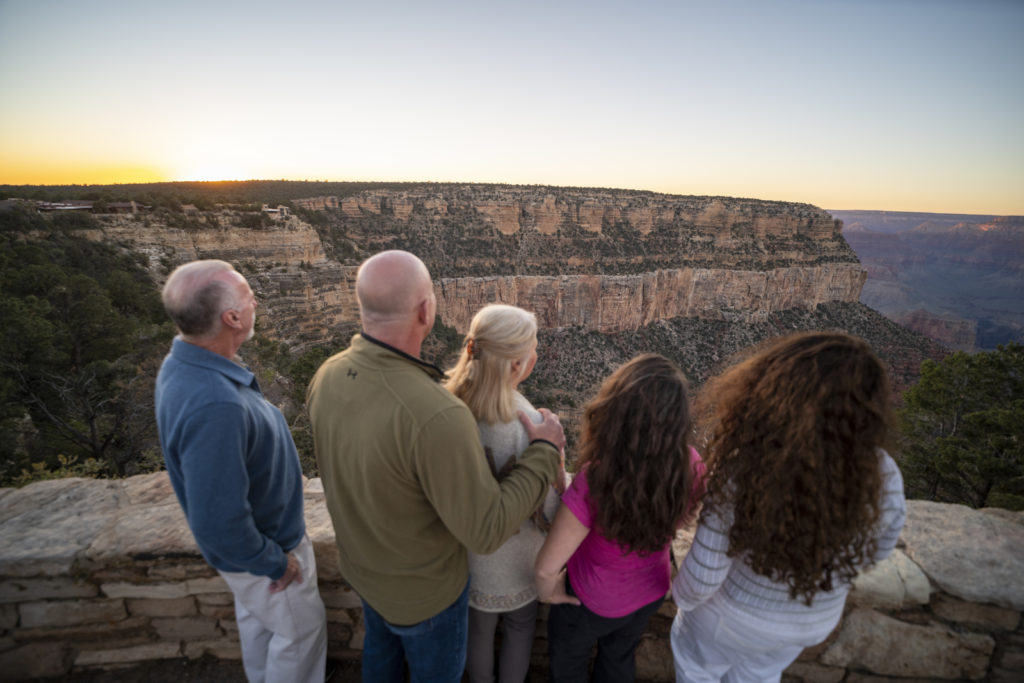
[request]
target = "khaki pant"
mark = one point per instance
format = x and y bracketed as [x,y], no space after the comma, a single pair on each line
[284,634]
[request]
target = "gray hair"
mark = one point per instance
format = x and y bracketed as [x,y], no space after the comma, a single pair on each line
[194,297]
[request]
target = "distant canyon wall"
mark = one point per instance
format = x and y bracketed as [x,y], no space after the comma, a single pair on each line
[546,210]
[473,231]
[955,278]
[959,334]
[602,261]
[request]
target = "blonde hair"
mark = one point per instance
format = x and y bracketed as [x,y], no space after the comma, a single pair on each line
[498,336]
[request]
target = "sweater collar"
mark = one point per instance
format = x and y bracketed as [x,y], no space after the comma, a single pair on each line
[435,373]
[197,355]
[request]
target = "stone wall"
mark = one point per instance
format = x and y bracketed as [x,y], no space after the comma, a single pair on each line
[104,573]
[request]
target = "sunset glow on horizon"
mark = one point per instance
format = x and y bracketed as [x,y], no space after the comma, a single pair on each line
[905,105]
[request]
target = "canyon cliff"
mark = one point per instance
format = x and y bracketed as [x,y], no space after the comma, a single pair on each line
[595,260]
[643,271]
[473,231]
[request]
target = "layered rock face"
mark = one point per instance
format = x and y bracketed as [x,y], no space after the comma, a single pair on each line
[547,210]
[602,261]
[614,303]
[302,294]
[285,242]
[495,230]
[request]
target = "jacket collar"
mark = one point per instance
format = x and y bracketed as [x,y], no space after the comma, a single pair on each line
[197,355]
[432,370]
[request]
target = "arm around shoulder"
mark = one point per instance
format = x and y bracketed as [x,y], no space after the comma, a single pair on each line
[456,479]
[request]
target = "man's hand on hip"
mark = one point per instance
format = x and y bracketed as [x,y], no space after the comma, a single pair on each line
[293,572]
[550,429]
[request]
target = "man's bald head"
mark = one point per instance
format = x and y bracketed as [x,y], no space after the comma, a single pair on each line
[390,285]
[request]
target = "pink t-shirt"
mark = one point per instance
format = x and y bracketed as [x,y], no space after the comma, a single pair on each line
[608,582]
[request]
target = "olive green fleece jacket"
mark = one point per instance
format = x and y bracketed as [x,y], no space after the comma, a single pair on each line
[406,480]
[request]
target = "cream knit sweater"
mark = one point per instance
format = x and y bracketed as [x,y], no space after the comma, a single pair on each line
[503,580]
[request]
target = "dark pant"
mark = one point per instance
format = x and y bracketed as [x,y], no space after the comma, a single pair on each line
[572,631]
[434,648]
[516,644]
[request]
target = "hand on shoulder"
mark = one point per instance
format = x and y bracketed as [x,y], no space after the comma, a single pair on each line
[549,429]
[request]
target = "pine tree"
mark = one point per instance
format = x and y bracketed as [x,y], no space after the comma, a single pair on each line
[962,437]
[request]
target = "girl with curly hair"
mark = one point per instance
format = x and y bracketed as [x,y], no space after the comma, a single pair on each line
[800,498]
[500,352]
[638,482]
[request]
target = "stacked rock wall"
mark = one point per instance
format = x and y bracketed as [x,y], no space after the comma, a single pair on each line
[104,573]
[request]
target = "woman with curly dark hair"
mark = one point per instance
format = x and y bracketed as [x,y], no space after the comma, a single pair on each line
[800,498]
[638,481]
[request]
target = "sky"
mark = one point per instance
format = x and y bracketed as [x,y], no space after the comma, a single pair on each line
[903,105]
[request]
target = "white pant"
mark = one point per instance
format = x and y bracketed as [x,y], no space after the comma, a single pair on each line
[709,644]
[284,634]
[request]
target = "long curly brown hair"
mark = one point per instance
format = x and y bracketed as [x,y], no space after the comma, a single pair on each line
[792,435]
[635,444]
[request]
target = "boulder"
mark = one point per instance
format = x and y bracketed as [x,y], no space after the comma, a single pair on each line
[882,645]
[45,526]
[894,583]
[973,555]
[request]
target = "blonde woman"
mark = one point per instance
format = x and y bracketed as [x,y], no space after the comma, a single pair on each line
[500,352]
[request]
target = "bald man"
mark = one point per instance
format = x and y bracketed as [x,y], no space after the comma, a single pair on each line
[236,473]
[406,479]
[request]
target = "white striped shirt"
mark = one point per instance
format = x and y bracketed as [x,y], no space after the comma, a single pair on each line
[708,571]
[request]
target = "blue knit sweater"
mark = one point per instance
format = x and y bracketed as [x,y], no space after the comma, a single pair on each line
[231,460]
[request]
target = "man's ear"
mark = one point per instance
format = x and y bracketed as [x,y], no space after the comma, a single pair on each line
[423,312]
[229,318]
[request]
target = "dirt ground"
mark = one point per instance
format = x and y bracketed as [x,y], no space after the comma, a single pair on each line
[212,670]
[203,670]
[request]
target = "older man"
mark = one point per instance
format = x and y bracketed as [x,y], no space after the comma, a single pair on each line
[236,473]
[406,479]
